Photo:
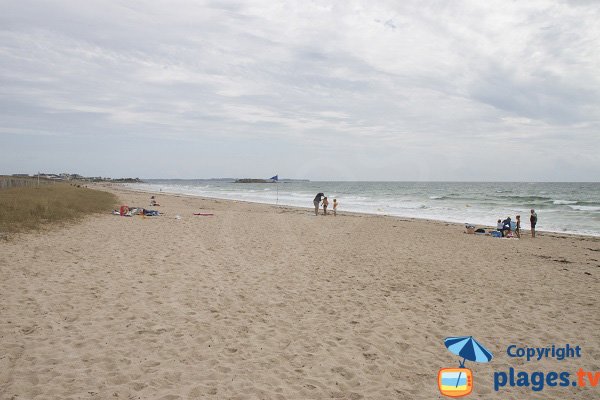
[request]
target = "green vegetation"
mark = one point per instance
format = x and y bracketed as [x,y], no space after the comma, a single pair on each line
[25,208]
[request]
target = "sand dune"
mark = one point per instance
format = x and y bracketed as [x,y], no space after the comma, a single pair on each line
[259,302]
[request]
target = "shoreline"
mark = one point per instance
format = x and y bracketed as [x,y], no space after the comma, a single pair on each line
[461,224]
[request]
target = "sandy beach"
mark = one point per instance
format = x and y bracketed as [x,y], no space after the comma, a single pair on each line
[265,302]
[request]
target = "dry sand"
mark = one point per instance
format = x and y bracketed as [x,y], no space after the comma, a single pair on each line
[275,303]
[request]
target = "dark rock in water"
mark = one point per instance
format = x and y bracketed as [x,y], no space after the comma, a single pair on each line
[248,180]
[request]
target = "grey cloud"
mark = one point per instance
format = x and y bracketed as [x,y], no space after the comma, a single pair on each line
[426,79]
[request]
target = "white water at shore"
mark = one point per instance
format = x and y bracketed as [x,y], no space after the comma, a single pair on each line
[561,207]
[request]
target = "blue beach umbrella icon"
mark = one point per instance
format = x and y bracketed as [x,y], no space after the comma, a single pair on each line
[469,349]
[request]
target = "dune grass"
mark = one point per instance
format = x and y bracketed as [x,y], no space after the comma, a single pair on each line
[27,208]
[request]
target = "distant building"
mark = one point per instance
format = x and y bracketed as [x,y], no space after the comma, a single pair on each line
[53,177]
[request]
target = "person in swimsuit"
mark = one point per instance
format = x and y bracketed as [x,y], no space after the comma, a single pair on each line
[335,204]
[518,228]
[325,204]
[533,222]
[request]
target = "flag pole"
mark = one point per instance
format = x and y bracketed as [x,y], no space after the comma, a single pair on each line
[276,179]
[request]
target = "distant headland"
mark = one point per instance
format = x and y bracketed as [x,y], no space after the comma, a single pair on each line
[254,180]
[250,180]
[75,177]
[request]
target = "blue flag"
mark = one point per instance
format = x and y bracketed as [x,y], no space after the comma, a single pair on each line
[274,178]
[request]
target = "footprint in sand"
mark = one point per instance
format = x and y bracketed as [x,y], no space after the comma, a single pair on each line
[27,330]
[137,386]
[343,372]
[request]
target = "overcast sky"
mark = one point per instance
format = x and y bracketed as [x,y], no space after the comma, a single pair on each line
[353,90]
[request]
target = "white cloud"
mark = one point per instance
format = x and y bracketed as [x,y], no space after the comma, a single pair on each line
[418,79]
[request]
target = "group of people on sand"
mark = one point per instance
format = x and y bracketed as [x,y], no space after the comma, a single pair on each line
[127,211]
[508,228]
[321,200]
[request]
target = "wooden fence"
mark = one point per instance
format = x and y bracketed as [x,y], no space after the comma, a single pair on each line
[17,181]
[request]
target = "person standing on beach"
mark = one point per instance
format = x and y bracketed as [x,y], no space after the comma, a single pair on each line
[506,228]
[325,204]
[317,202]
[533,221]
[518,228]
[335,204]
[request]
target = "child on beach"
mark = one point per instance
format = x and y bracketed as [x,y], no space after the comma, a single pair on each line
[335,204]
[518,228]
[500,227]
[325,204]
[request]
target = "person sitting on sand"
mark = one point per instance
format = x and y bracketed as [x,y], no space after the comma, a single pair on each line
[335,205]
[317,202]
[325,204]
[153,201]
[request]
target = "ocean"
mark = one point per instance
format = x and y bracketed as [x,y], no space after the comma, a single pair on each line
[561,207]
